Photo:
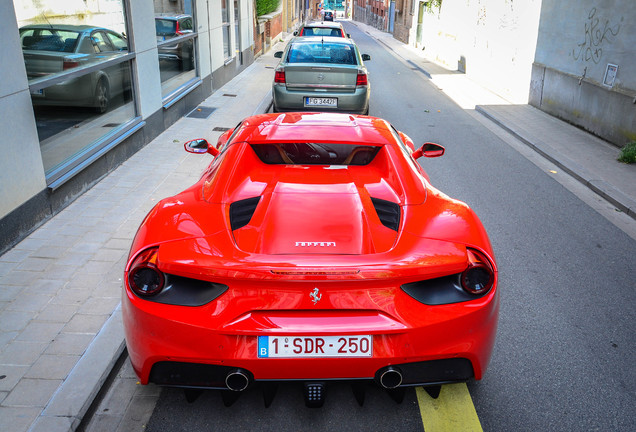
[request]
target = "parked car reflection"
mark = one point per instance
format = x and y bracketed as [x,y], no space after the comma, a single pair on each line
[168,27]
[58,49]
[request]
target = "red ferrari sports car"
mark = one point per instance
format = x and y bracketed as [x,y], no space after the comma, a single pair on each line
[313,248]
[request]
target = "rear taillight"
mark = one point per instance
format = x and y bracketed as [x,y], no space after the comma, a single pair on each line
[361,80]
[279,77]
[479,277]
[144,278]
[178,29]
[69,64]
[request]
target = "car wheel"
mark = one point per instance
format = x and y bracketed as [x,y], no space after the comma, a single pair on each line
[102,96]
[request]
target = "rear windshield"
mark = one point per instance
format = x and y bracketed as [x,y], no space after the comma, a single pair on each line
[321,31]
[321,52]
[315,154]
[165,27]
[49,40]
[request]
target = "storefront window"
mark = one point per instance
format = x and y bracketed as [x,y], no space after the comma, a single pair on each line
[237,31]
[225,17]
[176,34]
[78,65]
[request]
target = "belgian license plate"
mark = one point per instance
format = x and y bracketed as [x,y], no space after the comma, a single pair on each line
[315,346]
[321,101]
[39,92]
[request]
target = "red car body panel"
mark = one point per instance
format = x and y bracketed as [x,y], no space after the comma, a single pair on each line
[315,228]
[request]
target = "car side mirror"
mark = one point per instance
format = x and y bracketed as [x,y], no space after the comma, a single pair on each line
[366,57]
[295,33]
[428,150]
[348,35]
[200,146]
[278,54]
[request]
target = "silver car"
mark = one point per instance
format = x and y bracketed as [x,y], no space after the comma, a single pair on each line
[321,74]
[62,49]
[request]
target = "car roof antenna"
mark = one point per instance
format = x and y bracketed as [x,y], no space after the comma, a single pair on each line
[46,19]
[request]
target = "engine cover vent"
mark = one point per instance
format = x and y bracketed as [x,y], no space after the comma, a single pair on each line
[241,212]
[388,212]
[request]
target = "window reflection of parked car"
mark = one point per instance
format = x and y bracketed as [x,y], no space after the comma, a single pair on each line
[172,26]
[59,48]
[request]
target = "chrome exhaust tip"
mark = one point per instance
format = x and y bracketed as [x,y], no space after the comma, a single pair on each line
[237,380]
[390,377]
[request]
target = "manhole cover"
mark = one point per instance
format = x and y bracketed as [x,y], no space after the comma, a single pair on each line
[201,112]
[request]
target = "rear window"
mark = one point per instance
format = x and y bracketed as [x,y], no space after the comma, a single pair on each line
[165,27]
[49,40]
[315,154]
[321,31]
[321,52]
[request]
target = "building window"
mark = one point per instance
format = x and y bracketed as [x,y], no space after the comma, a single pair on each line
[225,27]
[237,28]
[78,64]
[176,36]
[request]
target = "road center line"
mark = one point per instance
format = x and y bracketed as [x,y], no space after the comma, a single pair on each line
[452,411]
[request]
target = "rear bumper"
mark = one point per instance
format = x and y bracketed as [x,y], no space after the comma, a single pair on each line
[200,375]
[195,346]
[293,100]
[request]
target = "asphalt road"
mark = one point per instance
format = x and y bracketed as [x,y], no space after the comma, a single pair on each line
[564,355]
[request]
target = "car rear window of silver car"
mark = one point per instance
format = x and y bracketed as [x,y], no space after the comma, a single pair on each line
[315,153]
[49,40]
[322,52]
[321,31]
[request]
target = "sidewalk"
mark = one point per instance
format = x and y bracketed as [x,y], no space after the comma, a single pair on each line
[60,319]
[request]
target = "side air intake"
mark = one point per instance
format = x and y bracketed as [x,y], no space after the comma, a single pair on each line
[388,212]
[241,212]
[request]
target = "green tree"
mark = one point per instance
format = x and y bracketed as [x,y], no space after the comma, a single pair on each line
[266,6]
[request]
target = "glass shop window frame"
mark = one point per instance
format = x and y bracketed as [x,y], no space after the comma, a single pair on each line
[226,28]
[171,97]
[94,150]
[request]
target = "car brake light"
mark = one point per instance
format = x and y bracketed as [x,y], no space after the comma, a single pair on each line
[479,277]
[144,277]
[361,80]
[178,29]
[279,77]
[69,64]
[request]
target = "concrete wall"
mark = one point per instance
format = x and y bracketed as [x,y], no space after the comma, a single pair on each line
[577,40]
[21,168]
[493,41]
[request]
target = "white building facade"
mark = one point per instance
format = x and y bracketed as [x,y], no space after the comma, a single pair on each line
[86,83]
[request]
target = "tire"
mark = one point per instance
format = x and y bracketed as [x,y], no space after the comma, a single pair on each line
[102,96]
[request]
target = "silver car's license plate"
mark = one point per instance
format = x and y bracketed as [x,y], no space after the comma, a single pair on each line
[321,101]
[315,346]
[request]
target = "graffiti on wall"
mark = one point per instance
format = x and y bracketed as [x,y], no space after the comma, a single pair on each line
[597,34]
